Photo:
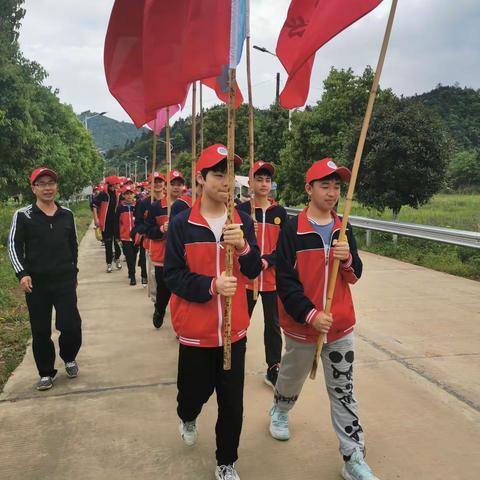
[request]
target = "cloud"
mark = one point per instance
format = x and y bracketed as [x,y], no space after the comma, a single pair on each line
[433,41]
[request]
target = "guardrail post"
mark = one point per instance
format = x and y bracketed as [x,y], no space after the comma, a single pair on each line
[368,237]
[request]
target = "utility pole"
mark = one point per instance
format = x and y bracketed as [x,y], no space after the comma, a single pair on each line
[277,94]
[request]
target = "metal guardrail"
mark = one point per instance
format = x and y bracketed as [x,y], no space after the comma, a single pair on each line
[452,236]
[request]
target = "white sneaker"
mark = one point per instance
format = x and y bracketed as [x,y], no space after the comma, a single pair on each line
[356,468]
[226,472]
[188,431]
[118,264]
[109,268]
[279,423]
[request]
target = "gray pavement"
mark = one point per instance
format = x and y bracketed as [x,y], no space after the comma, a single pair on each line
[417,379]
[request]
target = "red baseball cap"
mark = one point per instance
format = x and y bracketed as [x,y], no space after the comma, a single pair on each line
[265,165]
[325,167]
[38,172]
[128,180]
[159,175]
[112,180]
[213,155]
[174,174]
[128,188]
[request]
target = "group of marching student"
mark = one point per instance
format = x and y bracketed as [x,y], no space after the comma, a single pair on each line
[289,259]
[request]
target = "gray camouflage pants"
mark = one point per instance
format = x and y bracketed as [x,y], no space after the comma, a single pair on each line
[337,359]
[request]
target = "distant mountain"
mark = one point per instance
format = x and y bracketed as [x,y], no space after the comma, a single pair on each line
[109,133]
[459,108]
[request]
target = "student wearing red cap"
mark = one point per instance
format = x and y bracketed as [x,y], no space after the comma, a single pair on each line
[141,213]
[195,273]
[125,222]
[306,250]
[104,206]
[185,201]
[157,228]
[270,218]
[43,249]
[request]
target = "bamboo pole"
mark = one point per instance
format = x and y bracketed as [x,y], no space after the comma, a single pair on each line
[152,183]
[201,117]
[353,180]
[251,137]
[227,325]
[168,156]
[194,140]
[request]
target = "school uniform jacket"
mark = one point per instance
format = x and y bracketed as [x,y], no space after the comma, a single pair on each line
[101,204]
[180,204]
[41,246]
[125,220]
[156,217]
[270,222]
[193,261]
[303,271]
[140,227]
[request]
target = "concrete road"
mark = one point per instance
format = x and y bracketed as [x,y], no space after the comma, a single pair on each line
[417,380]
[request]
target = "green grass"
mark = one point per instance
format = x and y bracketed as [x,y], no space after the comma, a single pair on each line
[444,210]
[14,325]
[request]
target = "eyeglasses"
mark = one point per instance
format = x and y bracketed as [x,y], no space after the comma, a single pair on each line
[45,184]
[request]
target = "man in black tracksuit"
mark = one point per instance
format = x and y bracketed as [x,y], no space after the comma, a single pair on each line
[43,249]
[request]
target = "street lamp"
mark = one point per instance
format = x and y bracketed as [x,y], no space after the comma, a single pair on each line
[86,118]
[277,95]
[171,146]
[277,91]
[264,50]
[145,159]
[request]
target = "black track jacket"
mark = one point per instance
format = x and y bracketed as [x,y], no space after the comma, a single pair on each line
[41,246]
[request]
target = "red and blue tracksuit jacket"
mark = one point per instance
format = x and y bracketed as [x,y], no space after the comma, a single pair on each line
[140,227]
[302,279]
[100,202]
[270,223]
[193,261]
[125,220]
[180,204]
[156,217]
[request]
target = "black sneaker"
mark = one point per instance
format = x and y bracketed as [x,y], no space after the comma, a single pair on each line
[144,282]
[45,383]
[72,369]
[133,281]
[157,319]
[272,375]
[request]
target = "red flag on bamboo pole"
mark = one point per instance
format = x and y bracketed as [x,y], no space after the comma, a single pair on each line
[184,41]
[123,59]
[309,25]
[154,50]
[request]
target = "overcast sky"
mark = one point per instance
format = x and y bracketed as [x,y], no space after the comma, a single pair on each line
[433,41]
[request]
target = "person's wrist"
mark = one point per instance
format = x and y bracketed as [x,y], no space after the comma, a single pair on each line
[241,245]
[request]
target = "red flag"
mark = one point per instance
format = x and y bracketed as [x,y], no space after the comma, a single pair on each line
[155,49]
[309,25]
[214,84]
[123,58]
[183,41]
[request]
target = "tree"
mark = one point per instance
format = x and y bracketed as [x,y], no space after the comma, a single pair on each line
[404,158]
[321,132]
[271,129]
[464,170]
[35,128]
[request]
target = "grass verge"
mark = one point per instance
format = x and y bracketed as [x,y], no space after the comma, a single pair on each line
[460,211]
[14,325]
